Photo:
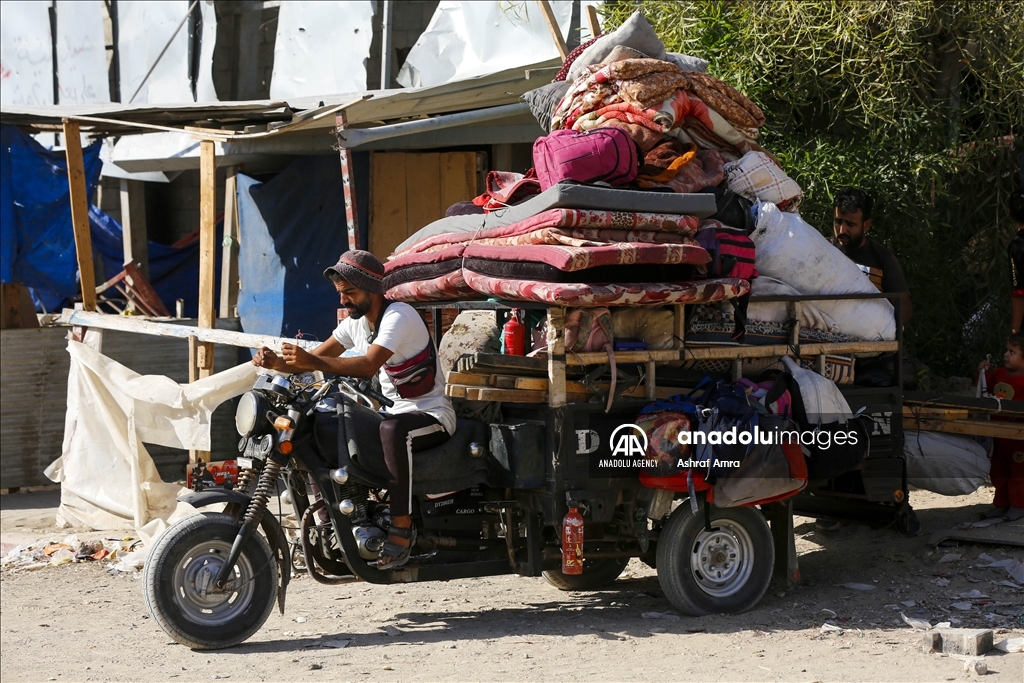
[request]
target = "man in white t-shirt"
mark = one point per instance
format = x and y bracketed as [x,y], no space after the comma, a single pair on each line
[386,335]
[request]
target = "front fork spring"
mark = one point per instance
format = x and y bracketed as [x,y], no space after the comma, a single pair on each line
[267,484]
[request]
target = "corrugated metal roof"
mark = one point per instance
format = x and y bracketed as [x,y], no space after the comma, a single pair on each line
[295,114]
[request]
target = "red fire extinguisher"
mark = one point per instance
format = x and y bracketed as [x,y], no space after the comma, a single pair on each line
[572,542]
[515,335]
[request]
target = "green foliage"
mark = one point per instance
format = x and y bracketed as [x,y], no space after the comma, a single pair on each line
[920,102]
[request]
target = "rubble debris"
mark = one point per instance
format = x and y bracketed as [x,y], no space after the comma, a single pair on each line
[960,641]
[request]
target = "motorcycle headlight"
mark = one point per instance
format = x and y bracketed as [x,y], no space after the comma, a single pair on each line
[249,412]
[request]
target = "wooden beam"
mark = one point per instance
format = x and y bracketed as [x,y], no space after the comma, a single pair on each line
[593,23]
[231,242]
[1004,430]
[556,357]
[104,321]
[80,212]
[556,34]
[133,224]
[207,248]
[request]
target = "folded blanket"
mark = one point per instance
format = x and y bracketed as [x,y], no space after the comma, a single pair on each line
[725,99]
[758,178]
[705,169]
[580,237]
[567,218]
[590,295]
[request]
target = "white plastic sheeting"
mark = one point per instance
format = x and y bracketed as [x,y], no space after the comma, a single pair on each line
[468,39]
[947,464]
[81,53]
[108,479]
[321,48]
[26,54]
[145,28]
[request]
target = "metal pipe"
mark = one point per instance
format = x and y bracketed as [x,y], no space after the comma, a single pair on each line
[385,45]
[354,137]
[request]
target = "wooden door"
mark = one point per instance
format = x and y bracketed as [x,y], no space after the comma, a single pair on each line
[409,190]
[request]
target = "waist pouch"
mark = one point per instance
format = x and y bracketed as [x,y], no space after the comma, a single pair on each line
[414,377]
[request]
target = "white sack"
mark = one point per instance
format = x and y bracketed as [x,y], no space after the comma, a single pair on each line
[811,317]
[944,463]
[790,250]
[653,326]
[108,479]
[823,402]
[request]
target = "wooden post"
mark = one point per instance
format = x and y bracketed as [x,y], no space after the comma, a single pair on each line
[593,23]
[679,326]
[80,212]
[556,34]
[556,357]
[133,224]
[207,249]
[651,392]
[348,180]
[795,309]
[229,262]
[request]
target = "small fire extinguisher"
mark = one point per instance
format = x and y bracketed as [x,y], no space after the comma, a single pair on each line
[514,335]
[572,542]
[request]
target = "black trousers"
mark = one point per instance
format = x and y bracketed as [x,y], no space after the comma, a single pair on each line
[400,436]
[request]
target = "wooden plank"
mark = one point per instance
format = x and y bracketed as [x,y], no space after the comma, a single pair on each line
[593,23]
[730,352]
[458,177]
[649,384]
[455,391]
[935,413]
[207,248]
[534,383]
[520,396]
[80,213]
[18,311]
[133,224]
[556,33]
[388,209]
[511,364]
[1005,430]
[678,325]
[469,379]
[422,191]
[795,310]
[141,326]
[556,357]
[229,253]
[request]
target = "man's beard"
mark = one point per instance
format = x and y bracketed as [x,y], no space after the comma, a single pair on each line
[358,311]
[848,242]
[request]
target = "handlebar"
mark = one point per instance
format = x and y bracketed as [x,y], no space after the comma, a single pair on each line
[363,387]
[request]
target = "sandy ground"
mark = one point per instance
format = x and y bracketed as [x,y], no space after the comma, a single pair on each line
[79,622]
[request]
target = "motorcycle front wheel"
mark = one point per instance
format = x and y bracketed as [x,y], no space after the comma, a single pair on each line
[178,583]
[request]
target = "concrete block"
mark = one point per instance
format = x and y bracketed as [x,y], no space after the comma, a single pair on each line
[962,641]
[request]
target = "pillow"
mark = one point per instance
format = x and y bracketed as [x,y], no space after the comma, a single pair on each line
[635,32]
[543,100]
[687,62]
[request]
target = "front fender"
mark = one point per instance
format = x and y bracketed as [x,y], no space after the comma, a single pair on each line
[269,524]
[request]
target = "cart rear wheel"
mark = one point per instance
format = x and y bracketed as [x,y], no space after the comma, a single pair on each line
[727,569]
[596,574]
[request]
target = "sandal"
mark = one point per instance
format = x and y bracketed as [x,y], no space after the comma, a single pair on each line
[399,554]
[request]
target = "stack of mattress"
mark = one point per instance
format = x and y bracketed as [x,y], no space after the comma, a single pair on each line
[572,245]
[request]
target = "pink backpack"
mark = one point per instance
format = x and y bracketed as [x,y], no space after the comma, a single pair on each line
[606,154]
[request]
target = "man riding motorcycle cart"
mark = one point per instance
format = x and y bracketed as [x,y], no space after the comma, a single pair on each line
[393,343]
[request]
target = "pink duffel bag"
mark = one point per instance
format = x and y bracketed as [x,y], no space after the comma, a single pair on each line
[606,154]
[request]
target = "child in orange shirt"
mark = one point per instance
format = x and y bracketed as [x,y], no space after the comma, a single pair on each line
[1007,469]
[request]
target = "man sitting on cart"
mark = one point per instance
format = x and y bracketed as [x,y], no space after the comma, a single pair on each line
[386,335]
[851,223]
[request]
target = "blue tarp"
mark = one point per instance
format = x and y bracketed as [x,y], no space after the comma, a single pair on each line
[293,227]
[37,244]
[37,248]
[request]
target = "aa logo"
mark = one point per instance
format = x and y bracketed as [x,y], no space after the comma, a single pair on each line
[1018,457]
[629,441]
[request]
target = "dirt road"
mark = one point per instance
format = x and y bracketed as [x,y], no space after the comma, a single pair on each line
[78,622]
